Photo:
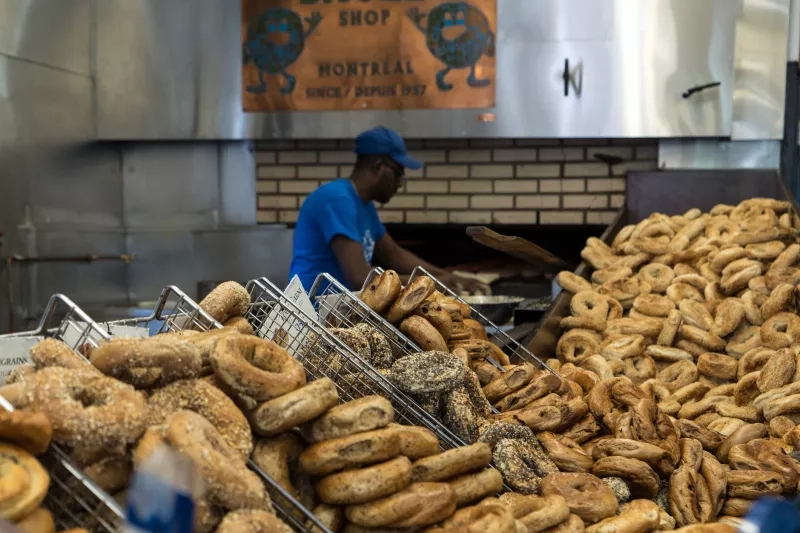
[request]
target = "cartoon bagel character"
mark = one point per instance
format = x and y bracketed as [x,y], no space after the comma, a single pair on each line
[457,34]
[275,39]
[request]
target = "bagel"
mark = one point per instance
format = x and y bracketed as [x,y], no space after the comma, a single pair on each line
[294,408]
[780,299]
[572,283]
[471,487]
[116,415]
[753,484]
[423,334]
[780,330]
[415,292]
[382,291]
[230,484]
[239,324]
[53,352]
[653,305]
[352,451]
[622,346]
[695,314]
[486,516]
[427,372]
[538,387]
[364,414]
[208,401]
[576,344]
[25,482]
[523,464]
[420,504]
[586,495]
[251,520]
[226,301]
[609,274]
[710,439]
[777,371]
[440,319]
[256,368]
[741,435]
[591,304]
[39,521]
[717,366]
[366,484]
[640,477]
[545,512]
[567,454]
[658,276]
[689,497]
[30,431]
[509,382]
[638,515]
[670,328]
[451,463]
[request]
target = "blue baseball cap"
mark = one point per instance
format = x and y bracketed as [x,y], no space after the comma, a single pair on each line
[383,141]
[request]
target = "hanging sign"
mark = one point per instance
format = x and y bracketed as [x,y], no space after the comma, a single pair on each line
[339,55]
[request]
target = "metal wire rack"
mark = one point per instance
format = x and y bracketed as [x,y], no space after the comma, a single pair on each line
[175,311]
[73,499]
[337,307]
[275,317]
[374,273]
[515,350]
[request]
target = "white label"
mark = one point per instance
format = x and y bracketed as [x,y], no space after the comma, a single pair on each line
[15,351]
[117,330]
[280,326]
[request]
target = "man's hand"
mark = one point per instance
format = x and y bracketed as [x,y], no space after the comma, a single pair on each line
[461,285]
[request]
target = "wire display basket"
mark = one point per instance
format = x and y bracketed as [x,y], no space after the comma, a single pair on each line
[275,317]
[337,307]
[175,311]
[515,350]
[73,498]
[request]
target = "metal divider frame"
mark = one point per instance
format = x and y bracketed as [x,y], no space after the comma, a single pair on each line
[500,338]
[73,498]
[177,312]
[322,354]
[348,312]
[340,308]
[375,272]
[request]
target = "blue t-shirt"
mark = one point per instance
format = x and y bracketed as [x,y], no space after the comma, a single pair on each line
[333,209]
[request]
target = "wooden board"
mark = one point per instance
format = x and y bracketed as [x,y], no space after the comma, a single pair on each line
[519,248]
[317,55]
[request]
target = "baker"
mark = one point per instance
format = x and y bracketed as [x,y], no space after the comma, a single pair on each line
[338,230]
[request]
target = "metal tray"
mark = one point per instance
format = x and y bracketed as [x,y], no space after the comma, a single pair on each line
[175,311]
[671,193]
[275,317]
[74,500]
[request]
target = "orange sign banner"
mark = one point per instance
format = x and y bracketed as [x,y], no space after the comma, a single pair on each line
[338,55]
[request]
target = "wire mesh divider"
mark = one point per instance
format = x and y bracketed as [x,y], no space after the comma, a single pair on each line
[337,307]
[175,311]
[375,272]
[499,337]
[74,500]
[275,317]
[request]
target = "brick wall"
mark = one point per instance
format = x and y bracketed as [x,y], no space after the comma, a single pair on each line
[498,181]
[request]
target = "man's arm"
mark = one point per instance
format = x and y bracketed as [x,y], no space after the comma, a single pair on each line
[350,256]
[401,260]
[404,262]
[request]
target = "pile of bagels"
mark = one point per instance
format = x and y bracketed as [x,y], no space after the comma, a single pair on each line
[679,371]
[236,404]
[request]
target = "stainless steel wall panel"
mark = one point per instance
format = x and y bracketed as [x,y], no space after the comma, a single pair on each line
[162,258]
[715,154]
[170,185]
[172,70]
[85,282]
[258,252]
[237,181]
[56,33]
[762,35]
